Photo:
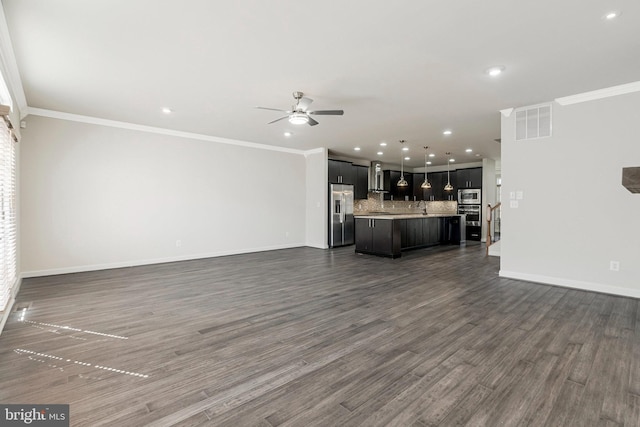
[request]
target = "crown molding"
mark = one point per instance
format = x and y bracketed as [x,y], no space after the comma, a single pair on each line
[599,94]
[507,112]
[151,129]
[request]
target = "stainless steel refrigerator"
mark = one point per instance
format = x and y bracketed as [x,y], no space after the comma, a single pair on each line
[341,223]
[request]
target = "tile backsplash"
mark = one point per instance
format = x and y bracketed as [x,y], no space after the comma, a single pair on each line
[376,203]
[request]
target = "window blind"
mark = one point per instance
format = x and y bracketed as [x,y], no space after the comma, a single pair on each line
[8,232]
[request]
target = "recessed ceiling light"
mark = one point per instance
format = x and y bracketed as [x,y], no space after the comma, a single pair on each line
[380,153]
[432,155]
[383,144]
[167,110]
[452,160]
[407,158]
[495,71]
[405,148]
[477,155]
[428,163]
[287,134]
[611,15]
[357,148]
[469,150]
[447,132]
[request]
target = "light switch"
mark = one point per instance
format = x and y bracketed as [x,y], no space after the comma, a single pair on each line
[519,195]
[514,204]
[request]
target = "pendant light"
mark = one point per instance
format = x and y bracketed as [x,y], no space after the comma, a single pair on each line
[448,187]
[426,184]
[402,182]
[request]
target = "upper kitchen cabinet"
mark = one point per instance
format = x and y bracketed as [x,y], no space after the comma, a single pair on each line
[361,186]
[435,192]
[391,179]
[438,180]
[418,191]
[469,178]
[341,172]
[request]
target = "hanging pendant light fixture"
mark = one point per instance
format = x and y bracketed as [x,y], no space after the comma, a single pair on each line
[426,184]
[448,187]
[402,182]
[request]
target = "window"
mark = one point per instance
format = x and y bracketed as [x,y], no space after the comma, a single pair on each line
[7,212]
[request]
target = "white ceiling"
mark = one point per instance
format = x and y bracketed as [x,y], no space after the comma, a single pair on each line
[400,70]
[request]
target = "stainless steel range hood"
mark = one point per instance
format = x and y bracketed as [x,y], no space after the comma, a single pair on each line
[376,178]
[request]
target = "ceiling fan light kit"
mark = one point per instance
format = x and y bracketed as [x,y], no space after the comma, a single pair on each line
[298,118]
[298,115]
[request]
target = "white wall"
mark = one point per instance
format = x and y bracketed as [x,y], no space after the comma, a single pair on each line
[317,190]
[575,216]
[96,196]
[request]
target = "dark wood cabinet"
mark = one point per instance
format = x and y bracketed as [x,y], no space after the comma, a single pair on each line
[378,236]
[437,192]
[341,172]
[435,179]
[391,179]
[469,178]
[361,181]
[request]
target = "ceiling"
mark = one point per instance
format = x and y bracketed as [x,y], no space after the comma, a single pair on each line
[400,70]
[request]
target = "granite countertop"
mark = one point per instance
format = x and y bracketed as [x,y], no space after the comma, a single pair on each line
[401,216]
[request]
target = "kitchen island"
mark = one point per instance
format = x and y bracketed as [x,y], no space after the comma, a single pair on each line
[388,235]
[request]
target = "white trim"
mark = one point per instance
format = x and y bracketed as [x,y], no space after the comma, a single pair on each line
[9,65]
[151,129]
[12,299]
[124,264]
[569,283]
[599,94]
[507,111]
[314,151]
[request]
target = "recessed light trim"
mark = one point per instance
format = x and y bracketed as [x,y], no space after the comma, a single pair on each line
[495,71]
[611,15]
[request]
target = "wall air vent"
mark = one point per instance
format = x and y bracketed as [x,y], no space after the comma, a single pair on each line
[533,122]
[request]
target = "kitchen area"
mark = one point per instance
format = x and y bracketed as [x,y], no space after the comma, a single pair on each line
[368,209]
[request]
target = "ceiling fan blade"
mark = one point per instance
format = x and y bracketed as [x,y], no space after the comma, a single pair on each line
[327,112]
[277,120]
[304,103]
[312,122]
[274,109]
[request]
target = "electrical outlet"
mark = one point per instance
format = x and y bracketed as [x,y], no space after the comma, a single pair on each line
[614,265]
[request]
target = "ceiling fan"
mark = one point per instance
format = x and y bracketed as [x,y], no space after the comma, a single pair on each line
[298,115]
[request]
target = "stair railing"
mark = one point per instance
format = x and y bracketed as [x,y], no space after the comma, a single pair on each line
[490,216]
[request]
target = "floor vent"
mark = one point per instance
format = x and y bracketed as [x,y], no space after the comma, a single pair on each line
[533,122]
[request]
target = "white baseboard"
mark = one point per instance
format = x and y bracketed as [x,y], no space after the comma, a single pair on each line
[574,284]
[12,301]
[134,263]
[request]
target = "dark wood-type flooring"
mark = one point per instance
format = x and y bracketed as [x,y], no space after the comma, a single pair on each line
[309,337]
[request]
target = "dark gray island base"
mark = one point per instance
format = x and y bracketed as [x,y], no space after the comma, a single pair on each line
[389,235]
